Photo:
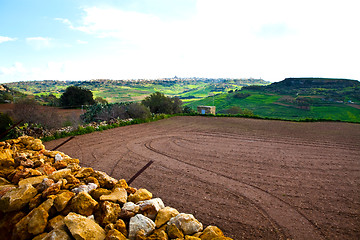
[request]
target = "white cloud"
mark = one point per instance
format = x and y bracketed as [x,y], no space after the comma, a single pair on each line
[6,39]
[39,42]
[81,42]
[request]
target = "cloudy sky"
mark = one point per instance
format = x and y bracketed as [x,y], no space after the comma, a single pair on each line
[131,39]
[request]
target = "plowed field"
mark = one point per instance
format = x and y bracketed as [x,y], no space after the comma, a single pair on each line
[252,178]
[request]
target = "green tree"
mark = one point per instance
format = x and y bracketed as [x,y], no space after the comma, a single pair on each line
[76,96]
[159,103]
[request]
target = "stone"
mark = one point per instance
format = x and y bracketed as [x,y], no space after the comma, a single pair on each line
[8,222]
[17,198]
[140,222]
[55,222]
[82,228]
[118,195]
[83,204]
[60,164]
[4,181]
[6,188]
[38,221]
[71,179]
[115,235]
[129,210]
[44,184]
[59,174]
[186,223]
[150,208]
[85,188]
[20,173]
[58,157]
[46,169]
[174,232]
[52,190]
[97,193]
[6,159]
[187,237]
[158,235]
[57,234]
[121,227]
[211,232]
[32,180]
[140,195]
[26,163]
[108,212]
[164,215]
[62,200]
[122,184]
[105,180]
[84,172]
[35,201]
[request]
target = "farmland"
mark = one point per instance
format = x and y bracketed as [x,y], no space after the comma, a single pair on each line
[252,178]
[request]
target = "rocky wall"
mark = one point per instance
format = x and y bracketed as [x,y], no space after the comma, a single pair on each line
[47,195]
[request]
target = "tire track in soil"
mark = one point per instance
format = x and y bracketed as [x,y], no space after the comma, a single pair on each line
[265,203]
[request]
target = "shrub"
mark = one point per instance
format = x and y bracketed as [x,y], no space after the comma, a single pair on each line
[76,97]
[159,103]
[5,122]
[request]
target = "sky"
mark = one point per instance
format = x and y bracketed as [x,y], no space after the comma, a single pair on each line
[136,39]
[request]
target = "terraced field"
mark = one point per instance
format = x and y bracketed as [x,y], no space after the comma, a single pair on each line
[252,178]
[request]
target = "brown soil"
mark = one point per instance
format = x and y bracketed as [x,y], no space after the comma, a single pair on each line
[252,178]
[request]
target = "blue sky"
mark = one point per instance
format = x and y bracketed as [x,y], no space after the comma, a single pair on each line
[131,39]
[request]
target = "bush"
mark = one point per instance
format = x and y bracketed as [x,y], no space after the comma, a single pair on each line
[241,95]
[74,97]
[5,122]
[159,103]
[136,110]
[31,112]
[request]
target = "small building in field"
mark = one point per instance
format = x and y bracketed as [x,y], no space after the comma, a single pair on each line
[206,109]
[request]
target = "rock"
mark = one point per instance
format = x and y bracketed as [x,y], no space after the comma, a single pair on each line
[35,201]
[32,180]
[140,222]
[83,204]
[115,235]
[105,180]
[3,181]
[164,215]
[59,174]
[53,189]
[97,193]
[107,213]
[121,227]
[58,157]
[26,163]
[38,221]
[85,188]
[62,200]
[57,234]
[60,164]
[55,222]
[44,184]
[84,172]
[6,188]
[140,195]
[118,195]
[8,222]
[82,228]
[92,180]
[174,232]
[186,223]
[20,173]
[150,208]
[211,232]
[129,210]
[17,198]
[34,223]
[6,159]
[71,179]
[158,235]
[187,237]
[46,169]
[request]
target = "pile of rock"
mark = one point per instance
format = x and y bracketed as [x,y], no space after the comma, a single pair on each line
[47,195]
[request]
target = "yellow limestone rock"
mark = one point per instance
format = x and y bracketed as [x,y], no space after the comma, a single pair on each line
[83,228]
[6,159]
[32,180]
[83,204]
[118,195]
[17,198]
[140,195]
[164,215]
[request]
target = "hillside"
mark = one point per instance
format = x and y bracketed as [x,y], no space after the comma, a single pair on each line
[135,90]
[336,99]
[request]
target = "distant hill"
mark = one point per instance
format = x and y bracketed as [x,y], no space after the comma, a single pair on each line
[294,98]
[188,89]
[7,94]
